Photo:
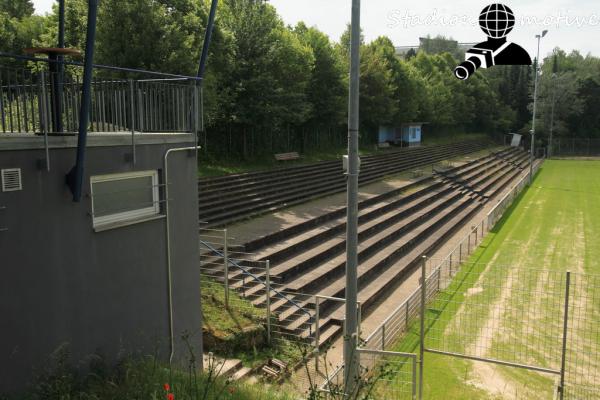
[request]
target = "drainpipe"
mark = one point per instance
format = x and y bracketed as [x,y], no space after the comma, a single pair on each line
[168,238]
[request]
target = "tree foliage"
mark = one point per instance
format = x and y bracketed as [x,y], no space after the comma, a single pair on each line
[271,87]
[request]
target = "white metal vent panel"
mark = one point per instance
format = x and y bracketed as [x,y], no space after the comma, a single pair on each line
[11,180]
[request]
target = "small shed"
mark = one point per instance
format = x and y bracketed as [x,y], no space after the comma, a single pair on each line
[408,134]
[412,133]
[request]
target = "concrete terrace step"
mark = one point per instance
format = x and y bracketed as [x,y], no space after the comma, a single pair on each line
[222,367]
[427,241]
[372,235]
[335,245]
[288,193]
[381,262]
[241,373]
[251,178]
[335,285]
[395,228]
[299,186]
[371,291]
[289,233]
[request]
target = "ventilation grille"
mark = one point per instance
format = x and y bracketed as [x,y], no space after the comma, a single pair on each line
[11,180]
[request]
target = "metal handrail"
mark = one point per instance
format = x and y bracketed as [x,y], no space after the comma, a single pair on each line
[257,278]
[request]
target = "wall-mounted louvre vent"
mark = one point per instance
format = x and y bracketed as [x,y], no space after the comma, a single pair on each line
[11,180]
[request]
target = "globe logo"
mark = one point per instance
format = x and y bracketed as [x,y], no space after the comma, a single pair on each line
[496,20]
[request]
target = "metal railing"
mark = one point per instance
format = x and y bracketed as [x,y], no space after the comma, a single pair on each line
[574,147]
[42,102]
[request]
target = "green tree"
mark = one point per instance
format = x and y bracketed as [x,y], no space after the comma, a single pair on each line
[19,28]
[18,9]
[327,89]
[558,100]
[378,89]
[267,82]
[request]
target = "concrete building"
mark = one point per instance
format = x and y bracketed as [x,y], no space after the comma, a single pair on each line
[117,272]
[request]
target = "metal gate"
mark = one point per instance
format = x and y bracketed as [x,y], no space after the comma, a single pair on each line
[536,320]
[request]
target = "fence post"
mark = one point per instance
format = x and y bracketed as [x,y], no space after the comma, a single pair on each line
[383,337]
[422,323]
[132,118]
[450,268]
[44,118]
[564,339]
[140,109]
[469,244]
[359,319]
[317,332]
[407,315]
[460,253]
[226,267]
[268,282]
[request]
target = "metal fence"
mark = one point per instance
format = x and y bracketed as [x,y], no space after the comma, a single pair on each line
[574,147]
[42,102]
[536,320]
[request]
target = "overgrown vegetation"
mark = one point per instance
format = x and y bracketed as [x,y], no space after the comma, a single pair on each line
[134,377]
[238,331]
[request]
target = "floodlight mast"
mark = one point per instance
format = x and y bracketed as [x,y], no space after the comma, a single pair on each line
[351,361]
[535,92]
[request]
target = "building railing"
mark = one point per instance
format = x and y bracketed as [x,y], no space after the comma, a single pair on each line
[41,102]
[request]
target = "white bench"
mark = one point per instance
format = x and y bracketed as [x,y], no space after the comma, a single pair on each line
[287,156]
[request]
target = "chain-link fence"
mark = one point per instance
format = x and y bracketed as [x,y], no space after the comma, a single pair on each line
[538,320]
[582,346]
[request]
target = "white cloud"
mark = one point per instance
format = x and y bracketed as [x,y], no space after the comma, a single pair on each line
[43,6]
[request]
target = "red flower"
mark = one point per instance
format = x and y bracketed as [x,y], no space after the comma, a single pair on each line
[170,396]
[167,387]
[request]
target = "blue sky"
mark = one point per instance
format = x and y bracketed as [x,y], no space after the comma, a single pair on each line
[573,24]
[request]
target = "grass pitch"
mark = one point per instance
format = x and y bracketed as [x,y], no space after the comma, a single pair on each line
[551,228]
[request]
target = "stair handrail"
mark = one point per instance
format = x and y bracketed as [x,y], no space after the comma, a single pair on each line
[257,278]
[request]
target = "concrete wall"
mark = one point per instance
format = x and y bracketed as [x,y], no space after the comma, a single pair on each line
[100,292]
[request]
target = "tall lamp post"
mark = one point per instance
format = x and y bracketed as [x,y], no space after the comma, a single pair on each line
[535,91]
[551,147]
[351,361]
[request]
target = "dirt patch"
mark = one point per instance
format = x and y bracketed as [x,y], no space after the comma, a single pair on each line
[487,376]
[474,291]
